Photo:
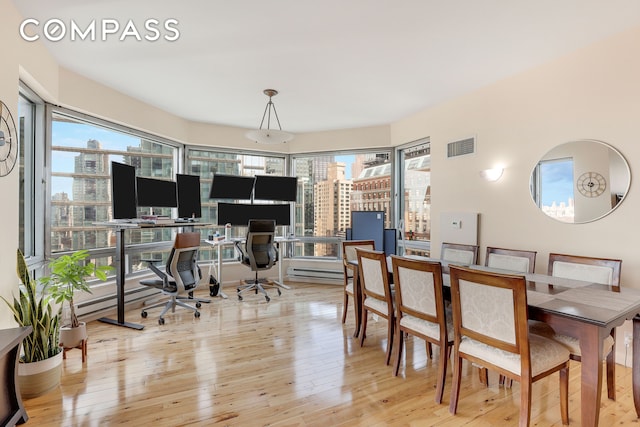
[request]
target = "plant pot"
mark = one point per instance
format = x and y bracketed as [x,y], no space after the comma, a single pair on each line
[38,378]
[72,337]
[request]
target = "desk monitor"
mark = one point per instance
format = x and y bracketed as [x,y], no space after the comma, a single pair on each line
[238,214]
[156,193]
[273,187]
[233,187]
[189,205]
[123,191]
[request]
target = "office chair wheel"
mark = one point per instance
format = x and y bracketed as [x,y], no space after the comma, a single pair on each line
[279,292]
[198,305]
[196,314]
[267,298]
[143,314]
[161,321]
[256,291]
[239,297]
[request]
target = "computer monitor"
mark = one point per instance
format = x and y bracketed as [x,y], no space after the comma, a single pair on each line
[273,187]
[239,214]
[123,191]
[156,193]
[189,205]
[234,187]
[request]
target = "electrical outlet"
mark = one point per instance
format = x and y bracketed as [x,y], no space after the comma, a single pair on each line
[628,337]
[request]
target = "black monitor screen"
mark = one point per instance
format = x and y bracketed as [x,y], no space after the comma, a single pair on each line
[189,205]
[273,187]
[123,191]
[156,193]
[231,187]
[240,214]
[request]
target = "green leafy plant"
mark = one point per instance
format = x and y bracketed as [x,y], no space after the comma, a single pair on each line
[33,309]
[69,274]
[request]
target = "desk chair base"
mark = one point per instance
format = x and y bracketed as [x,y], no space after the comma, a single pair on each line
[257,285]
[171,305]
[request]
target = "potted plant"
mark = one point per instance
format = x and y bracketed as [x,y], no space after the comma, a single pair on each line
[69,274]
[40,367]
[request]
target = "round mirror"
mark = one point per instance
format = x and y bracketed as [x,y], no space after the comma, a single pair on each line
[580,181]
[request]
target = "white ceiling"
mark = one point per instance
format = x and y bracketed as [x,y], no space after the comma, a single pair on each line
[336,63]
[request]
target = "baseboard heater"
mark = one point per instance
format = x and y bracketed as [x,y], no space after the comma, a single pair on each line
[107,302]
[314,274]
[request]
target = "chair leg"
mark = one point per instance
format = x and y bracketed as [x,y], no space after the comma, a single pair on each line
[483,374]
[391,327]
[399,344]
[429,350]
[442,371]
[564,395]
[345,305]
[455,383]
[525,402]
[363,326]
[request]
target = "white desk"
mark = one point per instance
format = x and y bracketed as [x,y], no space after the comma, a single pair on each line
[219,244]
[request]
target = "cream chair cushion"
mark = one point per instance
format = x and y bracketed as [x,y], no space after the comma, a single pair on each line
[545,354]
[508,262]
[458,256]
[572,344]
[418,294]
[586,272]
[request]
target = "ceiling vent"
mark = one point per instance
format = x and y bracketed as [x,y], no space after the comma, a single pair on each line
[461,147]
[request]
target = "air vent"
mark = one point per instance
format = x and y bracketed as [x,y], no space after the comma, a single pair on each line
[461,147]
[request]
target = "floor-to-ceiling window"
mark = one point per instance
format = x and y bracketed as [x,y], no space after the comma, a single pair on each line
[414,197]
[205,162]
[331,186]
[82,149]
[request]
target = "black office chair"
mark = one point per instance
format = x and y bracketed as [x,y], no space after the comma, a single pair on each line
[180,278]
[259,253]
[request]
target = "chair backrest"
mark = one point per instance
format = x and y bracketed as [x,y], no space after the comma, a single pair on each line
[260,249]
[349,251]
[490,308]
[511,259]
[182,262]
[459,253]
[374,277]
[598,270]
[419,293]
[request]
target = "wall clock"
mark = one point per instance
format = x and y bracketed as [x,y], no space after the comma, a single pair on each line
[591,184]
[8,141]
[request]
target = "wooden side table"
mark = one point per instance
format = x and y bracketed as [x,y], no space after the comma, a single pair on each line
[12,410]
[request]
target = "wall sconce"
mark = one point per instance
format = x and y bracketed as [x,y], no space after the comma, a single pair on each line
[492,174]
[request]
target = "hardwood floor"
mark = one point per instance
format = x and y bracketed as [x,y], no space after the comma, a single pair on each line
[289,362]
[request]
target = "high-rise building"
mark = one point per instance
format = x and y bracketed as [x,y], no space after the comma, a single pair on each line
[331,206]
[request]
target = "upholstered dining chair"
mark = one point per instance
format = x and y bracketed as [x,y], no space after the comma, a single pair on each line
[351,277]
[420,311]
[490,329]
[377,297]
[515,260]
[597,270]
[459,253]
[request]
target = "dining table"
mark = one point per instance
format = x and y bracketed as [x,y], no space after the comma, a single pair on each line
[580,309]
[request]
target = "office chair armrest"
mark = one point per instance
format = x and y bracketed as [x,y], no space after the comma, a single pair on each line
[238,245]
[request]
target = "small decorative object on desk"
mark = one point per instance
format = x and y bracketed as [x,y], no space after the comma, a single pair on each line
[227,231]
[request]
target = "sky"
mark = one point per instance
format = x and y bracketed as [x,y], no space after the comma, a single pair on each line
[556,182]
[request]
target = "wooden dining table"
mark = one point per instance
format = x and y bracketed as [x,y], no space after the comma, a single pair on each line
[584,310]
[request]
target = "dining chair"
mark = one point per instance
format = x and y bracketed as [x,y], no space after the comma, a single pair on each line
[376,293]
[596,270]
[459,253]
[515,260]
[351,277]
[490,329]
[420,311]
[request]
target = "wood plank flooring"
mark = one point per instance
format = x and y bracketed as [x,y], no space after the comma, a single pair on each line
[289,362]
